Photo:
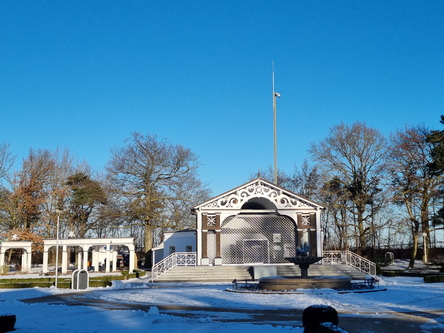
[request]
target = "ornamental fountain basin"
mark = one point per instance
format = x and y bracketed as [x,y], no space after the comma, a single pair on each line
[279,283]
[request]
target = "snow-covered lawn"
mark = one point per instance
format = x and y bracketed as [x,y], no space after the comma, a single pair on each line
[141,303]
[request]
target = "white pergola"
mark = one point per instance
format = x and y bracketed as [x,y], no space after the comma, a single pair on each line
[26,257]
[109,244]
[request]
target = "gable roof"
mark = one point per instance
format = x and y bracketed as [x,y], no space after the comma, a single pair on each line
[258,188]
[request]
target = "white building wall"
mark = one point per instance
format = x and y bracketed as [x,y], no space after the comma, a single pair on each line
[179,241]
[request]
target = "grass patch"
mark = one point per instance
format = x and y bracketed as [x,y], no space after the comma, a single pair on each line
[46,282]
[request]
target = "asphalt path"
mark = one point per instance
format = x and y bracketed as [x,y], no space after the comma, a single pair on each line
[389,322]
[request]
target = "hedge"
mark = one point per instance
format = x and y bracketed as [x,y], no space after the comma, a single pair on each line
[46,282]
[433,278]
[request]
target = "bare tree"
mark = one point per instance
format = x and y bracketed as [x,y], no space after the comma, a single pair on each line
[414,182]
[307,181]
[356,157]
[336,198]
[6,162]
[147,173]
[57,191]
[283,179]
[37,191]
[30,187]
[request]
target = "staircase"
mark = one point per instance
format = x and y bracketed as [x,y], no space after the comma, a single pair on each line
[181,267]
[229,273]
[205,274]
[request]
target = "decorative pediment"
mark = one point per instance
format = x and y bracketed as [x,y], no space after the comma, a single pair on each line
[258,188]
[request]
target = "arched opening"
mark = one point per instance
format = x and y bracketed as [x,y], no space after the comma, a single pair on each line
[13,259]
[258,238]
[98,256]
[123,257]
[52,255]
[259,204]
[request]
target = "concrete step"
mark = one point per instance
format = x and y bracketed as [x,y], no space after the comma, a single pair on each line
[229,273]
[322,270]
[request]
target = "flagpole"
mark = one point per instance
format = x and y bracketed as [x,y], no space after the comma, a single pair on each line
[275,94]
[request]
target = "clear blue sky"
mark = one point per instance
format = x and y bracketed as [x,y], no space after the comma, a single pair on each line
[85,74]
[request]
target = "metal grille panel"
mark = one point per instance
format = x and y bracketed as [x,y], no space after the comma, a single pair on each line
[258,238]
[211,245]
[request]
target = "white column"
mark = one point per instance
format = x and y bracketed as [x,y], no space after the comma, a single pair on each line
[114,253]
[108,258]
[132,255]
[95,261]
[132,263]
[45,260]
[85,258]
[64,259]
[79,258]
[320,248]
[2,256]
[26,261]
[198,238]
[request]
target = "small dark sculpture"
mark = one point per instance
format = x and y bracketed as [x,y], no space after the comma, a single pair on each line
[304,263]
[303,251]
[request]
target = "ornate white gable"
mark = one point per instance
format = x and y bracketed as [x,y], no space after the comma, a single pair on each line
[258,188]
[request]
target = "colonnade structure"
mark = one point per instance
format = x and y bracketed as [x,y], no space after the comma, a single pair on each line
[104,252]
[26,256]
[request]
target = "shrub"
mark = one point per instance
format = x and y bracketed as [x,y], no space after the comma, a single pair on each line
[4,269]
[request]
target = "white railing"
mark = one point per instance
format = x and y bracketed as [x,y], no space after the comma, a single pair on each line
[173,260]
[351,259]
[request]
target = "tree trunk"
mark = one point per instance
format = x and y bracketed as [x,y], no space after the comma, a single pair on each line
[148,237]
[362,232]
[415,237]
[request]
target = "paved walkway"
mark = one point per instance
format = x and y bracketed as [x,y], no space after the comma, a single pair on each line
[405,322]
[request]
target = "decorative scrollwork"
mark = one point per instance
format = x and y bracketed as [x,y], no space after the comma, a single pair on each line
[259,188]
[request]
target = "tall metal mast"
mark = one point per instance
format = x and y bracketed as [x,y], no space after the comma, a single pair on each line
[275,95]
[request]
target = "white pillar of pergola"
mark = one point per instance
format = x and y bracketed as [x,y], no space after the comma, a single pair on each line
[26,257]
[110,244]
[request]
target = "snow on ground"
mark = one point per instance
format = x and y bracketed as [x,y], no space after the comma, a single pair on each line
[403,294]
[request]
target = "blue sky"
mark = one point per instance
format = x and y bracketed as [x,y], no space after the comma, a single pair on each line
[85,74]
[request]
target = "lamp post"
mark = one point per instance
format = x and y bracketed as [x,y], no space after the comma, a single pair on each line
[57,247]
